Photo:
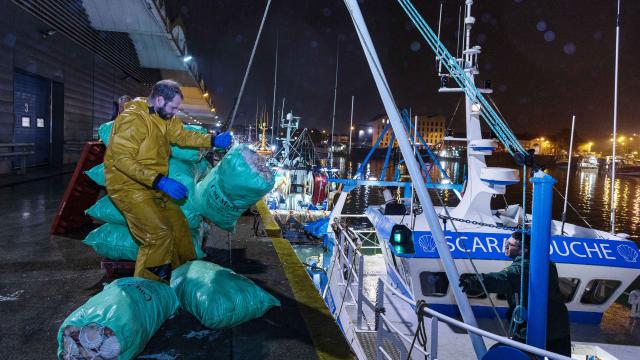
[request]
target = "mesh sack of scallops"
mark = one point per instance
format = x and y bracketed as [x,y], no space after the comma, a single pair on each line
[118,322]
[239,180]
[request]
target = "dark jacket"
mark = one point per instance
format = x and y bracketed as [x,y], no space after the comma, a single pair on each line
[507,282]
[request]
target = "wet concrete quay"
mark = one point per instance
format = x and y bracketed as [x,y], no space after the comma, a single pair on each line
[44,278]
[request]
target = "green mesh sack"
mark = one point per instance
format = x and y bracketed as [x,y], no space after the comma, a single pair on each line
[104,210]
[218,297]
[96,174]
[104,132]
[115,242]
[134,308]
[239,180]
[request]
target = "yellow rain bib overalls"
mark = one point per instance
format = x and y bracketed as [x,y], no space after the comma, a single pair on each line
[137,154]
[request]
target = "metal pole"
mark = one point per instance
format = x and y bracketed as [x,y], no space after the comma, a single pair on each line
[360,289]
[539,264]
[405,147]
[275,82]
[351,124]
[246,74]
[438,62]
[615,126]
[335,96]
[566,188]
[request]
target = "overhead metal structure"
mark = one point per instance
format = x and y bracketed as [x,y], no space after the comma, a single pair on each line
[135,36]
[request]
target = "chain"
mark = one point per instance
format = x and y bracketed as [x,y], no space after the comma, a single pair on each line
[473,222]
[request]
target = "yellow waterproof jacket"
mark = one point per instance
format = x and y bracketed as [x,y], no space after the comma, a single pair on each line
[139,147]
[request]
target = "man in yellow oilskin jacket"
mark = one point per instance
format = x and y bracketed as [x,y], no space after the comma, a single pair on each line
[136,167]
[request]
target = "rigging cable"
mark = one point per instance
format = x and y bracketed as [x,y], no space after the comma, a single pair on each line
[229,124]
[518,315]
[495,122]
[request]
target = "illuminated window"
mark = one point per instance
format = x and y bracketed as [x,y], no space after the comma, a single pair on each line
[26,121]
[40,122]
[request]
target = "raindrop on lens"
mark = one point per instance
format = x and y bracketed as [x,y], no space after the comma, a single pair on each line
[549,36]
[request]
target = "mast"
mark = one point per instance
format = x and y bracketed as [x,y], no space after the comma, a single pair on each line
[615,125]
[335,95]
[566,188]
[351,124]
[229,125]
[475,203]
[275,81]
[429,212]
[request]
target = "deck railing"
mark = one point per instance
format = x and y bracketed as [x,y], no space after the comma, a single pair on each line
[351,258]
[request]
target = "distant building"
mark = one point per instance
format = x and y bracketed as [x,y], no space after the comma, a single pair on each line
[431,128]
[542,145]
[341,138]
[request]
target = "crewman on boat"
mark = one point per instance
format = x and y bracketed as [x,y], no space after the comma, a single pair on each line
[508,282]
[136,168]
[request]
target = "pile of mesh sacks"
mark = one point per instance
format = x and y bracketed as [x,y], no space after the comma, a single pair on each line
[220,194]
[118,322]
[113,239]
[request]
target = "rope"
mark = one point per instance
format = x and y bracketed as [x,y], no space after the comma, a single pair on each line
[579,215]
[421,332]
[377,68]
[495,122]
[246,73]
[455,111]
[517,317]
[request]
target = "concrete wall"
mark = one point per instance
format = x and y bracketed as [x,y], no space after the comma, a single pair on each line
[91,85]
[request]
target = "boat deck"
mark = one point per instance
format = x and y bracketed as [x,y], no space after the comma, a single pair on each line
[614,334]
[44,278]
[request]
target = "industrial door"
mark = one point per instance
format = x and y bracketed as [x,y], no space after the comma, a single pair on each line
[31,103]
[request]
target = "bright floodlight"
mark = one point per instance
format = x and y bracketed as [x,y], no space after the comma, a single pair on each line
[187,58]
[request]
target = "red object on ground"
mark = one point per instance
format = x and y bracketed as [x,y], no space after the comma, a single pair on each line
[319,188]
[81,192]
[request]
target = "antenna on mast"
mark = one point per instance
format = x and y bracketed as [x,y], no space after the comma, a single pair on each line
[459,32]
[615,125]
[438,60]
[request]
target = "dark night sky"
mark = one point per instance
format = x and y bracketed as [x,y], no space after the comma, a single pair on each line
[546,59]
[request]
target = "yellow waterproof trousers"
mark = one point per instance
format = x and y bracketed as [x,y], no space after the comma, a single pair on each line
[161,230]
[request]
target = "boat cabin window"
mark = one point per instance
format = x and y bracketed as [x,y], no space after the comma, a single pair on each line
[434,283]
[568,287]
[598,291]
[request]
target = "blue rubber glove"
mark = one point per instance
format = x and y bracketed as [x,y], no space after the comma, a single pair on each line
[173,188]
[223,140]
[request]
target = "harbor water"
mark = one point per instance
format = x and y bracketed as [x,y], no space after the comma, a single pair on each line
[589,198]
[589,194]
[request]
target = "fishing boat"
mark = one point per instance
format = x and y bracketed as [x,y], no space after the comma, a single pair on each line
[384,304]
[588,162]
